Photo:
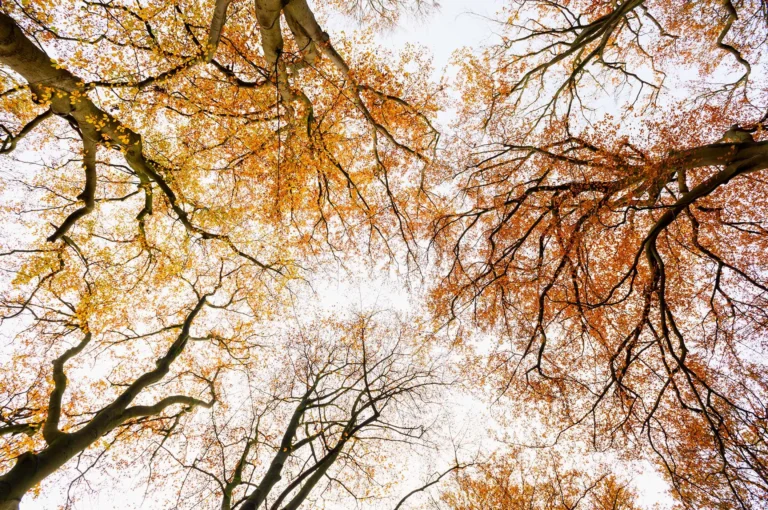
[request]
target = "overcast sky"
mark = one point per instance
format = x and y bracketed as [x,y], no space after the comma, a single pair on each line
[456,24]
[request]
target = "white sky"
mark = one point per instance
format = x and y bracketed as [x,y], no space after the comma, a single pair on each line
[457,24]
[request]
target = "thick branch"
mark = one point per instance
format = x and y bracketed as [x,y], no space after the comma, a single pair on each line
[51,430]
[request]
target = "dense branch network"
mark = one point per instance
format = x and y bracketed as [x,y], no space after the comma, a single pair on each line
[620,258]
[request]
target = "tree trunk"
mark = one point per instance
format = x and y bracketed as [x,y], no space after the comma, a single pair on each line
[30,469]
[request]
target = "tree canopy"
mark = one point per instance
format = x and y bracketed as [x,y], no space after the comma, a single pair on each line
[558,246]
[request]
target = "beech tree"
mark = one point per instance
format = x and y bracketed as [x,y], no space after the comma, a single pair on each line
[620,256]
[274,135]
[511,481]
[342,391]
[198,154]
[51,418]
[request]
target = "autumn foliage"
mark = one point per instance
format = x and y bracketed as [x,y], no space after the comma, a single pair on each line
[574,224]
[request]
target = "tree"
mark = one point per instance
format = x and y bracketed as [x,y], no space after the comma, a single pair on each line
[511,481]
[278,175]
[70,426]
[341,392]
[282,158]
[620,254]
[241,154]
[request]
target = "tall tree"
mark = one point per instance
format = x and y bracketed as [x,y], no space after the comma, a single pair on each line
[188,145]
[513,482]
[62,422]
[346,396]
[280,120]
[621,254]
